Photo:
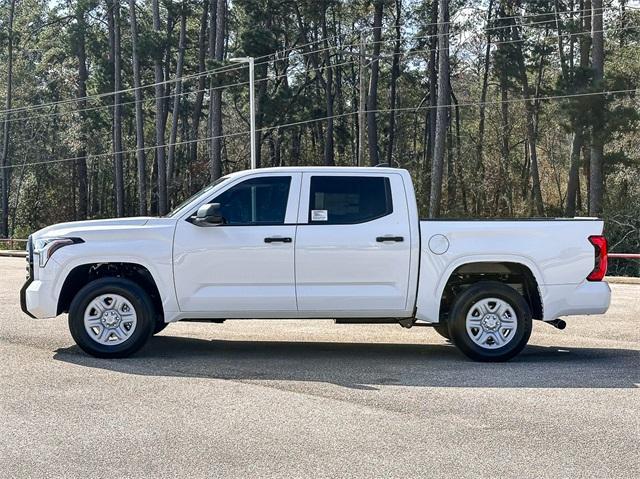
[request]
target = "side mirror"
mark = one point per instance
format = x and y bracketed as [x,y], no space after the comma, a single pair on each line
[209,215]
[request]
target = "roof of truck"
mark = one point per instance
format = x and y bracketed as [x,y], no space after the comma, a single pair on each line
[324,169]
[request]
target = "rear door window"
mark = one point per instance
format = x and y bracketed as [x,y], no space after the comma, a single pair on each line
[339,200]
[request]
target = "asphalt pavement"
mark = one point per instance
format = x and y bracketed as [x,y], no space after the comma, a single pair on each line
[310,399]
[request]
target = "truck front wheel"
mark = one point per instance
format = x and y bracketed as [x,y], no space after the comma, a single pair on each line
[111,318]
[490,321]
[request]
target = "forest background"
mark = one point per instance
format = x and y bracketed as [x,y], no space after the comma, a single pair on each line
[498,108]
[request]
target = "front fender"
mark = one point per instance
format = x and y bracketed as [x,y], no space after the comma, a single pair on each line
[155,256]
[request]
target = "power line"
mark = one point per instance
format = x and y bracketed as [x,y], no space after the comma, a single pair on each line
[297,47]
[270,78]
[229,68]
[462,104]
[173,95]
[126,90]
[350,113]
[521,40]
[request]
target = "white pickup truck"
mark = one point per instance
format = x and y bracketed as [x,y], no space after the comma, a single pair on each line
[339,243]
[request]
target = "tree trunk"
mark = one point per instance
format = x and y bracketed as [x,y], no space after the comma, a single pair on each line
[433,84]
[362,105]
[504,165]
[277,147]
[261,95]
[597,134]
[453,155]
[563,60]
[623,22]
[159,92]
[536,193]
[442,117]
[4,163]
[140,152]
[81,94]
[395,73]
[479,168]
[176,102]
[166,94]
[585,62]
[213,5]
[216,95]
[296,136]
[574,171]
[328,84]
[372,104]
[114,37]
[579,132]
[451,170]
[202,52]
[342,120]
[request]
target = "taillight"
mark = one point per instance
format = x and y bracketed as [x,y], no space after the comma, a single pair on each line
[600,269]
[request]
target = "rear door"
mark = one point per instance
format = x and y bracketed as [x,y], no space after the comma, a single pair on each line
[353,245]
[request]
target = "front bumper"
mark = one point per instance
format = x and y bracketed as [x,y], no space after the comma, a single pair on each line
[37,298]
[23,297]
[25,286]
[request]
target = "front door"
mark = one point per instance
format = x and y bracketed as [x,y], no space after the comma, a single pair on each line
[244,267]
[353,245]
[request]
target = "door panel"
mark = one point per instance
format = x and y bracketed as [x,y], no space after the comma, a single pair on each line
[238,267]
[232,268]
[358,267]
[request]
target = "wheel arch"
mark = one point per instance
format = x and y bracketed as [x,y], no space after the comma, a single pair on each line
[519,273]
[82,274]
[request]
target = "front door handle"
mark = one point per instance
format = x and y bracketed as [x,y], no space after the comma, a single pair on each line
[397,239]
[277,239]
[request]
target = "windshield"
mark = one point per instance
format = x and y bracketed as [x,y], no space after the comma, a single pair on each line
[177,210]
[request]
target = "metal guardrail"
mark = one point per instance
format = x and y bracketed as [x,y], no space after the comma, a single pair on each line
[624,255]
[13,242]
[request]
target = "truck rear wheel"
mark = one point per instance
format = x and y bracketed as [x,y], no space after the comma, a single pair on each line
[490,321]
[111,318]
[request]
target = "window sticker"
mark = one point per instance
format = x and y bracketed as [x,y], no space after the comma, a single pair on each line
[319,215]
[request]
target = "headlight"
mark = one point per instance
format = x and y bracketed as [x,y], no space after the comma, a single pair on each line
[45,247]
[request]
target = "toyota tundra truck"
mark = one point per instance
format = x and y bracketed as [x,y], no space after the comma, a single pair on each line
[315,242]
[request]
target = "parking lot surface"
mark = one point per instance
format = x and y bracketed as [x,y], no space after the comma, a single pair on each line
[308,399]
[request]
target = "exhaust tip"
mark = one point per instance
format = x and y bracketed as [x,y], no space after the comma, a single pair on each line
[558,323]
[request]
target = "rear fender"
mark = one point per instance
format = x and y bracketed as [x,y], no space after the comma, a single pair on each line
[430,292]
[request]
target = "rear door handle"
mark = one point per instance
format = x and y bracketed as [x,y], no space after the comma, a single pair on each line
[277,239]
[397,239]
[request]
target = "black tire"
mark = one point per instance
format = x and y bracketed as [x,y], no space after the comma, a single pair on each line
[470,297]
[159,326]
[141,303]
[443,330]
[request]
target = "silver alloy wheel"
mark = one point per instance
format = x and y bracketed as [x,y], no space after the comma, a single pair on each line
[110,319]
[491,323]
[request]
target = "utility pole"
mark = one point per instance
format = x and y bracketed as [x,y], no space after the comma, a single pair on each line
[362,105]
[252,106]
